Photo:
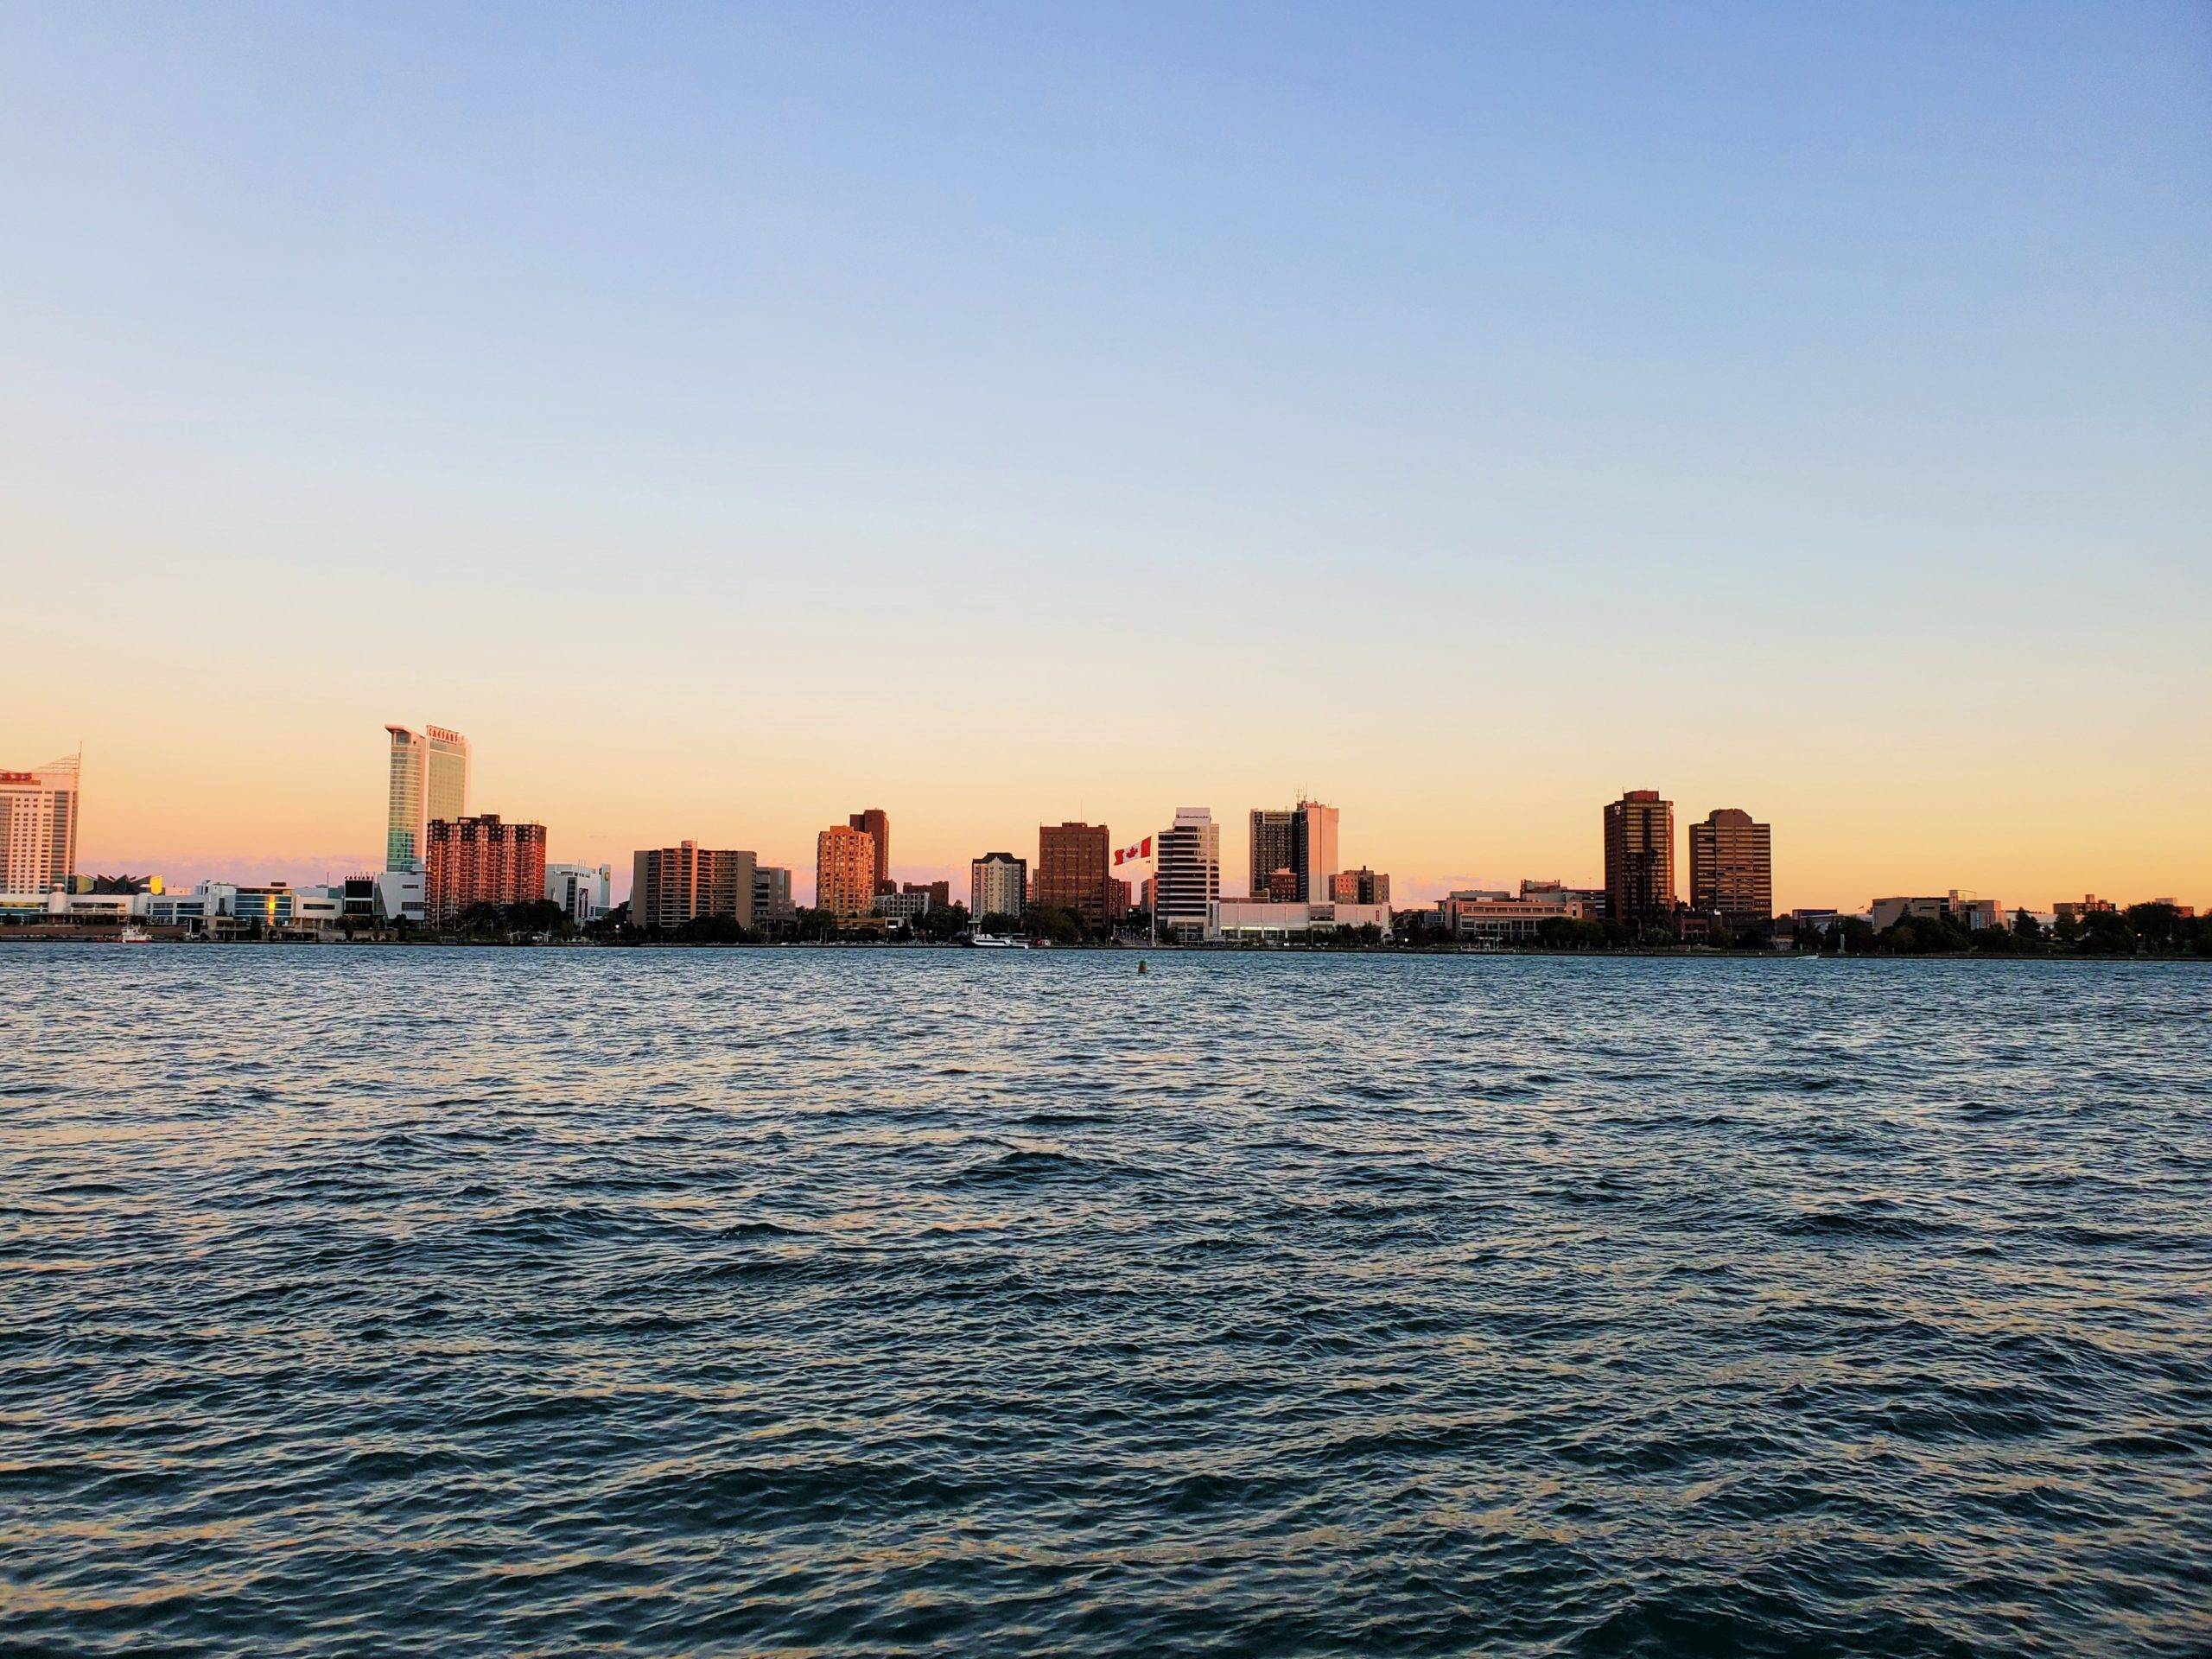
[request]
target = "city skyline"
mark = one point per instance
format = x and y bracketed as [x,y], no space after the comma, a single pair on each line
[1457,415]
[1574,863]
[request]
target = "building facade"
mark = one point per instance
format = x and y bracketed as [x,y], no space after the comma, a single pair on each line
[875,823]
[1360,887]
[481,860]
[771,897]
[1487,916]
[844,870]
[1732,867]
[1188,872]
[998,884]
[1640,858]
[1072,864]
[1239,921]
[1962,909]
[584,891]
[429,780]
[38,826]
[671,886]
[1302,841]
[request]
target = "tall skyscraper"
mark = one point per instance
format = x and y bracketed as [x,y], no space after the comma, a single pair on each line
[429,780]
[671,886]
[1732,867]
[844,870]
[1071,867]
[1302,841]
[998,884]
[38,826]
[1189,879]
[877,824]
[1640,858]
[481,860]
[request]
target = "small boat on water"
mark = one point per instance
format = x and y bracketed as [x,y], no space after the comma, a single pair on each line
[134,934]
[997,942]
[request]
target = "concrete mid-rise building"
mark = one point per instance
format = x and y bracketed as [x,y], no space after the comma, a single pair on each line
[584,891]
[1072,873]
[845,871]
[1732,867]
[481,860]
[428,779]
[39,811]
[1360,887]
[1187,873]
[771,897]
[1640,858]
[998,884]
[671,886]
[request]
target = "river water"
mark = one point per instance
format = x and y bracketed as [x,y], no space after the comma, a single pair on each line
[821,1302]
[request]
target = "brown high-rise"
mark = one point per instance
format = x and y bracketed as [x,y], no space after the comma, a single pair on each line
[844,870]
[1640,858]
[669,885]
[1071,870]
[1732,867]
[481,860]
[877,823]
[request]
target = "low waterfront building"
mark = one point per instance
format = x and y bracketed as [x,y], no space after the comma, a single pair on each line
[1245,921]
[402,896]
[584,891]
[915,901]
[1962,910]
[998,884]
[1495,917]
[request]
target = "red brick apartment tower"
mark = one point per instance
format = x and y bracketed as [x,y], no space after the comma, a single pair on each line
[481,860]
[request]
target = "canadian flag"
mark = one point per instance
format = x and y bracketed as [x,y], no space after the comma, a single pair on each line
[1135,855]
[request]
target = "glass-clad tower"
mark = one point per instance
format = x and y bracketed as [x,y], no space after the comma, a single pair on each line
[429,779]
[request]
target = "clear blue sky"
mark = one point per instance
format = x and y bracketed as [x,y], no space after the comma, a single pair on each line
[1448,408]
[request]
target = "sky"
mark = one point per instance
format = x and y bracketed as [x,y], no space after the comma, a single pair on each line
[733,416]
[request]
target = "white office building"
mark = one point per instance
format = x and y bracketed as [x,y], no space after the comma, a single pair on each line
[1187,881]
[1237,921]
[38,826]
[584,891]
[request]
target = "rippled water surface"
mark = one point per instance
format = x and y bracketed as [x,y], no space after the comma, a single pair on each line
[818,1302]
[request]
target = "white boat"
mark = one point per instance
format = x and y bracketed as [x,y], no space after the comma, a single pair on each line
[994,942]
[134,934]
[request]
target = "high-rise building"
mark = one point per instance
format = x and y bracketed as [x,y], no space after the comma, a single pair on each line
[429,780]
[1189,870]
[998,884]
[1732,867]
[876,822]
[1302,841]
[1359,886]
[671,886]
[481,860]
[584,891]
[1640,858]
[1071,870]
[844,870]
[38,826]
[1117,900]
